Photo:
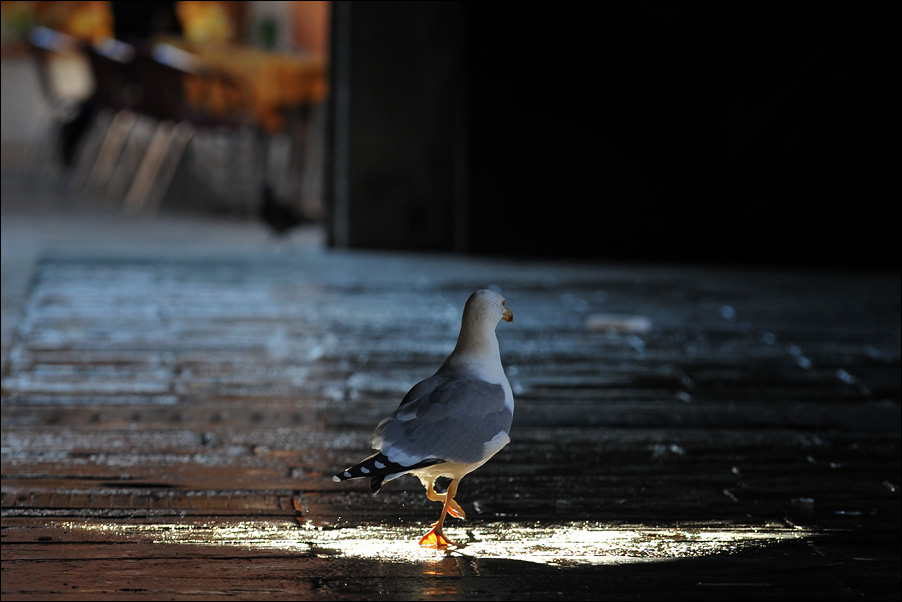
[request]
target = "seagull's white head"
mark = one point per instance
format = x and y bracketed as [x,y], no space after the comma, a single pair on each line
[477,347]
[486,307]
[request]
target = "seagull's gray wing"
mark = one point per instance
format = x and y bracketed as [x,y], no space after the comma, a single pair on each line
[450,416]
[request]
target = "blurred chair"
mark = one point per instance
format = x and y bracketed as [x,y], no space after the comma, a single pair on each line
[116,99]
[165,73]
[145,122]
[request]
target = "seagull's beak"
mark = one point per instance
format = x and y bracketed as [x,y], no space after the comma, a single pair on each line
[508,315]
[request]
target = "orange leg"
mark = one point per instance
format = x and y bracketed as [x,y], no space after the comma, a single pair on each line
[435,538]
[455,510]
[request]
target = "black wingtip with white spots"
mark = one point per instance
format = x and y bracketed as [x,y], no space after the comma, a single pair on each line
[378,467]
[377,464]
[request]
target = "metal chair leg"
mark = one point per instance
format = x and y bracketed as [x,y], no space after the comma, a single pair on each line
[158,166]
[133,152]
[108,157]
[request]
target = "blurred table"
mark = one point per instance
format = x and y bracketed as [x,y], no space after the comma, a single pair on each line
[274,82]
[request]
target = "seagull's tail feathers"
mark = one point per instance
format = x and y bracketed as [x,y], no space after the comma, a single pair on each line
[376,483]
[380,469]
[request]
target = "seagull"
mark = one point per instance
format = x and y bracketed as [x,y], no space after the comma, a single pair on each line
[451,423]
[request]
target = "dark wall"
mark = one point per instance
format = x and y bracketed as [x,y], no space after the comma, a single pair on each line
[714,132]
[397,77]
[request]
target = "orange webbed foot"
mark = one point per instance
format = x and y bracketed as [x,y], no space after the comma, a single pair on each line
[435,539]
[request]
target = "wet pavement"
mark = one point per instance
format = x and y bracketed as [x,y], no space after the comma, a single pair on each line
[178,392]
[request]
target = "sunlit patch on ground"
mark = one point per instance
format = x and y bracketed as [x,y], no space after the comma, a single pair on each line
[552,544]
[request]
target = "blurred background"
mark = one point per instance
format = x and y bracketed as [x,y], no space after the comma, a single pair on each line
[212,107]
[729,133]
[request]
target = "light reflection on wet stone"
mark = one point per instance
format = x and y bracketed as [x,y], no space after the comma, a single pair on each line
[549,544]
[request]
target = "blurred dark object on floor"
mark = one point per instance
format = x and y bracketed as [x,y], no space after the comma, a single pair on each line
[278,215]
